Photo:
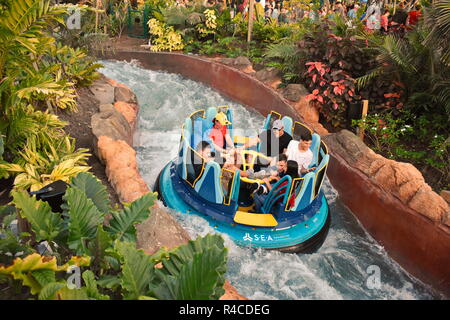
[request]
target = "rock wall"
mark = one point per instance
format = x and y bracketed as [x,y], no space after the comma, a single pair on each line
[114,126]
[390,198]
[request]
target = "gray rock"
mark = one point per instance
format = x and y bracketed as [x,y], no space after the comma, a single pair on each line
[103,92]
[346,144]
[294,92]
[239,62]
[109,122]
[267,74]
[242,61]
[124,94]
[160,230]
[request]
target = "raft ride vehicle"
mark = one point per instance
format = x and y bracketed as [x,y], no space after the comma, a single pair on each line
[214,192]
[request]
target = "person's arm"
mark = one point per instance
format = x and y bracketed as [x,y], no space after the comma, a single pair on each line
[229,141]
[305,171]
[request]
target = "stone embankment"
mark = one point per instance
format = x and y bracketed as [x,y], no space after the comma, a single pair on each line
[114,126]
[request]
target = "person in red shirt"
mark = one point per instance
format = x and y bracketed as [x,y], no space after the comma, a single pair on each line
[413,16]
[219,135]
[384,21]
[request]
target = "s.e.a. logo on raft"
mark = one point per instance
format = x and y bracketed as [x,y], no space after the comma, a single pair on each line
[257,237]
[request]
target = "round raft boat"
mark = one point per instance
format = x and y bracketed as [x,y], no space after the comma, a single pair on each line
[191,185]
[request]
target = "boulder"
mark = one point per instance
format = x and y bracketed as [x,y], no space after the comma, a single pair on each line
[129,111]
[429,204]
[110,122]
[103,91]
[270,76]
[267,74]
[445,194]
[122,169]
[294,92]
[398,179]
[124,94]
[231,293]
[160,230]
[306,110]
[241,63]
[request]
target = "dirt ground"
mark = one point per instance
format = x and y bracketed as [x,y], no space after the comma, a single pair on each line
[80,128]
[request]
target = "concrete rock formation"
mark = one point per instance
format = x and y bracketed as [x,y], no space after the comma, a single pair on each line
[161,230]
[129,112]
[124,94]
[294,92]
[241,63]
[399,179]
[110,122]
[121,168]
[103,91]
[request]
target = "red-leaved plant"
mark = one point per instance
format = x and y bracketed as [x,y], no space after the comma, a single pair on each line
[331,88]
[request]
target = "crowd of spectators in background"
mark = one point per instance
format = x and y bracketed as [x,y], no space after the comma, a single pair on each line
[373,14]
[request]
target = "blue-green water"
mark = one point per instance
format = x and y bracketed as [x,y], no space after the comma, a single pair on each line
[341,269]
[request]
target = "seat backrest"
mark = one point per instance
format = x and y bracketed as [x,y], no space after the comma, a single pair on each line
[210,115]
[287,121]
[279,191]
[304,194]
[186,143]
[298,129]
[271,117]
[315,148]
[208,186]
[311,184]
[320,173]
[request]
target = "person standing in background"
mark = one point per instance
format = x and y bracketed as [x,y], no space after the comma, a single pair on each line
[384,21]
[414,16]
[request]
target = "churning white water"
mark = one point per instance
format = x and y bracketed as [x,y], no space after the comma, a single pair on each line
[349,265]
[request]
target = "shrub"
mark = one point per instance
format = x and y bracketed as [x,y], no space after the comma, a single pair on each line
[164,37]
[113,267]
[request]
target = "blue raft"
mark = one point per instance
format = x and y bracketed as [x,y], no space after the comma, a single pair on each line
[213,193]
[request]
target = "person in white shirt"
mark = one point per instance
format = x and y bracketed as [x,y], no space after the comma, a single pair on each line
[299,151]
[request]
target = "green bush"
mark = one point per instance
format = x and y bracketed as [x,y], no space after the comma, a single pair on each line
[113,267]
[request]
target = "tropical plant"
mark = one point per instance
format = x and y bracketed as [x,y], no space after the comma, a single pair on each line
[37,167]
[116,268]
[164,37]
[3,172]
[414,65]
[74,64]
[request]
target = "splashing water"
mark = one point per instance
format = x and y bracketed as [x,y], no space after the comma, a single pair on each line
[340,269]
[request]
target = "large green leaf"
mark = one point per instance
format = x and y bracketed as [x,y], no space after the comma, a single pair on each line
[91,286]
[44,223]
[34,271]
[122,224]
[84,218]
[49,291]
[137,270]
[93,189]
[193,271]
[99,245]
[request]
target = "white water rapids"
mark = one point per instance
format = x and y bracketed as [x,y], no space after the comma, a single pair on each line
[345,267]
